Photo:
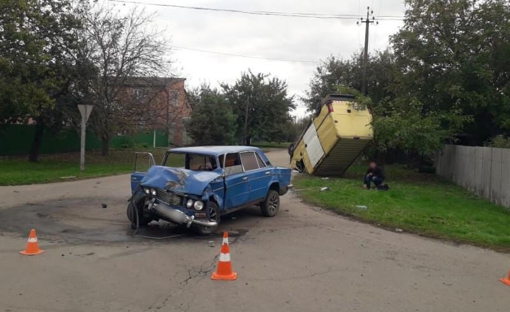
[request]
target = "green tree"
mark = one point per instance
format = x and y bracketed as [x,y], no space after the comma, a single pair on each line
[38,45]
[261,104]
[454,56]
[335,71]
[212,121]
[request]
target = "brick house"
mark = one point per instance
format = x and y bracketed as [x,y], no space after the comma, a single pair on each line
[159,103]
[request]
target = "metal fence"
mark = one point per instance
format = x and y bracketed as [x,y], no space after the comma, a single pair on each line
[17,140]
[483,170]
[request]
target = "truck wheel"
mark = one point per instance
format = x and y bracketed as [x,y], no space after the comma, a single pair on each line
[136,205]
[214,215]
[271,204]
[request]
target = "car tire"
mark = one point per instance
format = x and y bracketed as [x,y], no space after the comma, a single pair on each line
[214,211]
[136,204]
[270,206]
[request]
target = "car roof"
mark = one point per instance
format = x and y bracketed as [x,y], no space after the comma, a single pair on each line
[214,150]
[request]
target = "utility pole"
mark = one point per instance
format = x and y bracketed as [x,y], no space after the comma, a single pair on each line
[246,122]
[366,21]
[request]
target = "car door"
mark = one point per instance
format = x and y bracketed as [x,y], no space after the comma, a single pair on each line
[258,174]
[143,161]
[237,188]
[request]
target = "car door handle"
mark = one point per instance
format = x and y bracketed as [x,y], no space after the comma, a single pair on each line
[245,178]
[268,172]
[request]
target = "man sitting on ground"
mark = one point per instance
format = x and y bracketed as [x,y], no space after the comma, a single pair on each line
[374,174]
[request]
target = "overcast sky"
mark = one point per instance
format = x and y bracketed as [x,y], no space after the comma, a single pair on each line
[287,38]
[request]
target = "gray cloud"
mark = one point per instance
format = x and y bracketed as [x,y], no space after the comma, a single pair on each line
[270,37]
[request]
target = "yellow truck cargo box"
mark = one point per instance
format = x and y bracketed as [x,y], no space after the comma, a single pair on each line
[334,139]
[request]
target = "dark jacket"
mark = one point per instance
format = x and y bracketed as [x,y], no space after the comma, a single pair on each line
[376,172]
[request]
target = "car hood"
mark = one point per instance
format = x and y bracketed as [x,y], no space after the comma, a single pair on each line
[179,180]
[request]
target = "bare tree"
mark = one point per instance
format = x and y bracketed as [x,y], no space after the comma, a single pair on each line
[121,47]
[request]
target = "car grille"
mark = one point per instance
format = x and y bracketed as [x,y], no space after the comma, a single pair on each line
[168,197]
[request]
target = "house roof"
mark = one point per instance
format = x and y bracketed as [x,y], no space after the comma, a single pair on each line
[150,81]
[214,150]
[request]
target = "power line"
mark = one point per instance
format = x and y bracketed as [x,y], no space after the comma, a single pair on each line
[266,13]
[245,56]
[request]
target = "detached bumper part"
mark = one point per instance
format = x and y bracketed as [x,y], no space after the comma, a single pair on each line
[180,217]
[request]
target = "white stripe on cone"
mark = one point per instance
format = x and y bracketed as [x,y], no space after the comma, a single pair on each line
[32,239]
[225,241]
[224,257]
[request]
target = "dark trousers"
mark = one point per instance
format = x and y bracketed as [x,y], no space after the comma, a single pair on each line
[376,180]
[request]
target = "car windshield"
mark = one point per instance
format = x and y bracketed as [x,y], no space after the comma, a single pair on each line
[196,162]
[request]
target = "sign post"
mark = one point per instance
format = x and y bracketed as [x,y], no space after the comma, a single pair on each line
[85,111]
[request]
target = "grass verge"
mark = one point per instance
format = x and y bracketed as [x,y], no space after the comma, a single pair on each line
[66,166]
[419,203]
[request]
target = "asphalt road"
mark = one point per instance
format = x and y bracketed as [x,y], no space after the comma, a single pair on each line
[304,259]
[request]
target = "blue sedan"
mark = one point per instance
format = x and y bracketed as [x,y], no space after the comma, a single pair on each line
[212,181]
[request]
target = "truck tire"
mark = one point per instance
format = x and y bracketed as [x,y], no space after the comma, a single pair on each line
[214,212]
[300,166]
[270,206]
[136,205]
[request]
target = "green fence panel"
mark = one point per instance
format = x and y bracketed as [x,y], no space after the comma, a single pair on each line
[17,140]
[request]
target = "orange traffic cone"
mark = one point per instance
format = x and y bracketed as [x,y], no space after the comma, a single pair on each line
[32,245]
[224,271]
[506,280]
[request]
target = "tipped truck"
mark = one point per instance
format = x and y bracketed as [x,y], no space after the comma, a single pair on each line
[334,139]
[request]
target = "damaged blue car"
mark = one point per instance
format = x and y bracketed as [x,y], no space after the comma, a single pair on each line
[207,183]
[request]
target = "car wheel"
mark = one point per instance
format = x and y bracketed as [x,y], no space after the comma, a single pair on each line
[214,215]
[136,205]
[271,204]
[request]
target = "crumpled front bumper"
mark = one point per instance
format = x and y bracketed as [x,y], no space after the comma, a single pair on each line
[179,217]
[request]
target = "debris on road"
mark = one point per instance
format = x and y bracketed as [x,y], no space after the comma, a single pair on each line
[103,205]
[399,230]
[210,243]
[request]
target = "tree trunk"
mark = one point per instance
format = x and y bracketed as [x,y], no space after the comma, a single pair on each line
[105,145]
[35,150]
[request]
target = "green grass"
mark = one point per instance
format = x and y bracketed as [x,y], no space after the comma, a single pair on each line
[65,167]
[419,203]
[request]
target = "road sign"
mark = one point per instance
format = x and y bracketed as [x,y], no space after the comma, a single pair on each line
[85,111]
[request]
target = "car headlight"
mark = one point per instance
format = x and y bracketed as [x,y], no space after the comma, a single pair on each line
[199,205]
[153,192]
[146,190]
[189,203]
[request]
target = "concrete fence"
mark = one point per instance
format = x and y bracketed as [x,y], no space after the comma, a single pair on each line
[484,171]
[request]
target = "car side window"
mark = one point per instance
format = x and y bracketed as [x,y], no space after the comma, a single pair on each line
[249,161]
[231,163]
[260,162]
